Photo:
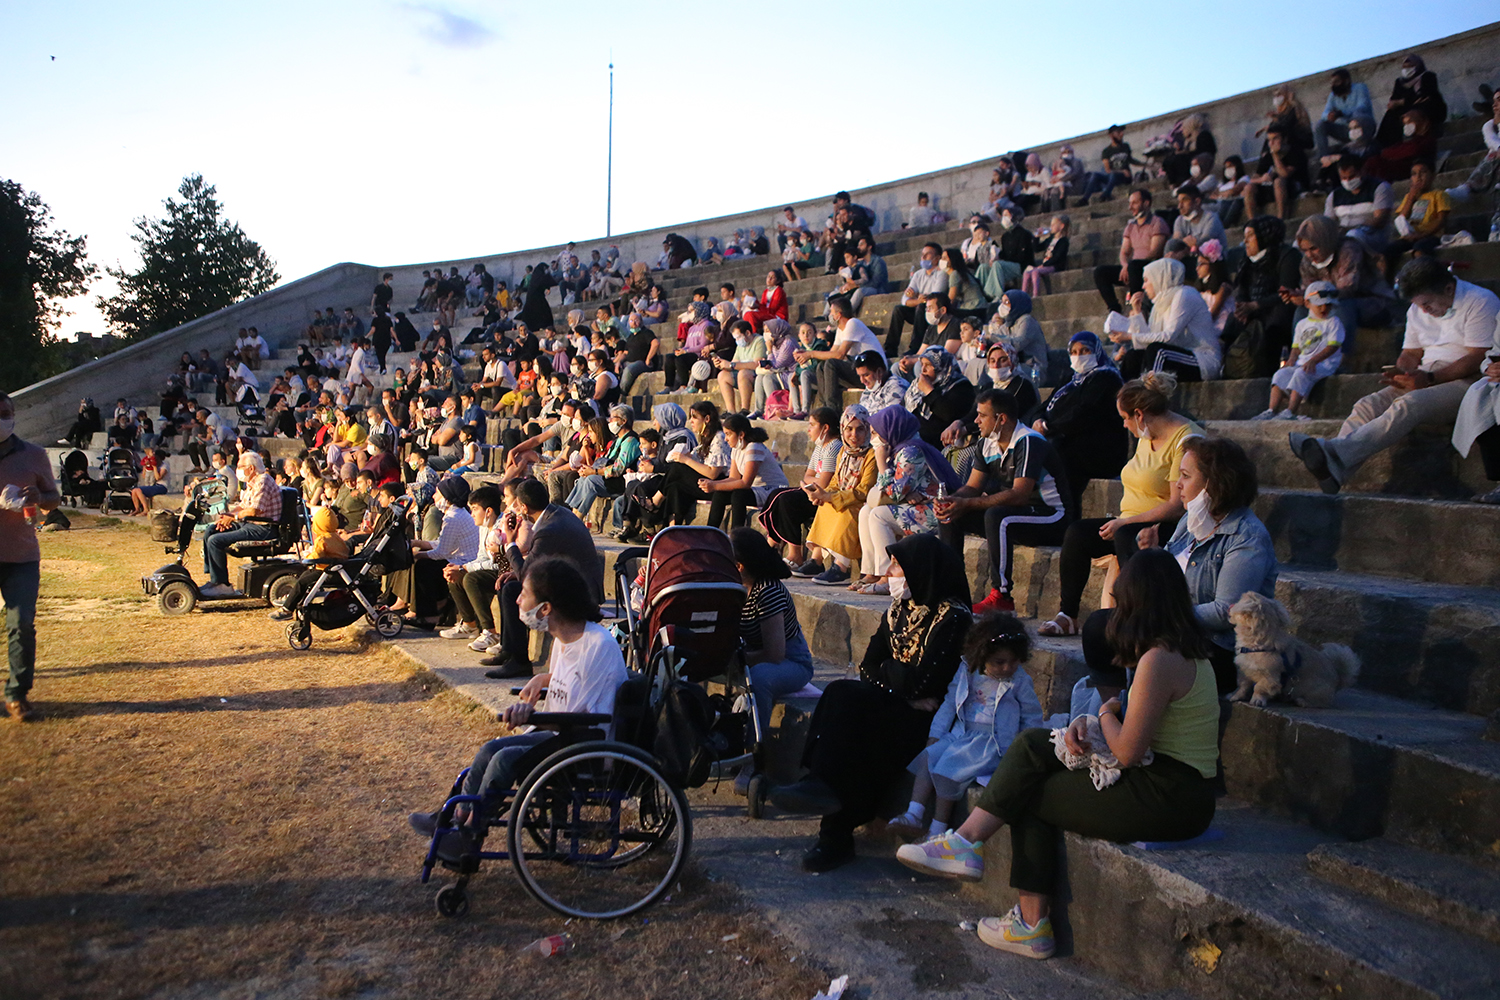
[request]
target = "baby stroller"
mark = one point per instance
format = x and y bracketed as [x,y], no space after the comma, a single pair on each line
[75,482]
[350,589]
[121,475]
[687,610]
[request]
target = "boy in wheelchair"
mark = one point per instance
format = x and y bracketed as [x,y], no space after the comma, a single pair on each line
[583,674]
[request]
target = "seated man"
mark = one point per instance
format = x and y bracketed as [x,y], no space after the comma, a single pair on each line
[1116,159]
[583,674]
[1449,326]
[1361,205]
[1145,238]
[1347,103]
[881,387]
[1015,494]
[927,279]
[555,531]
[1194,226]
[260,498]
[837,370]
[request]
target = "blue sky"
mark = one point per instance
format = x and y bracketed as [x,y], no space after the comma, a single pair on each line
[388,132]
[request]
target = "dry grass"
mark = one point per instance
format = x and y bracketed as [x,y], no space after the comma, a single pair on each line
[205,813]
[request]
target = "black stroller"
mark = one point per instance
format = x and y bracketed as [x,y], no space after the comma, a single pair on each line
[76,483]
[347,590]
[121,475]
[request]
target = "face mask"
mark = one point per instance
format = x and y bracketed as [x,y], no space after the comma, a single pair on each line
[1200,522]
[1409,129]
[1229,173]
[1004,309]
[1350,184]
[1407,72]
[1000,376]
[1143,214]
[7,428]
[932,318]
[241,476]
[1257,256]
[441,503]
[1141,430]
[1083,363]
[614,427]
[1278,102]
[944,266]
[1322,264]
[927,265]
[1195,170]
[1006,222]
[532,620]
[900,589]
[1356,134]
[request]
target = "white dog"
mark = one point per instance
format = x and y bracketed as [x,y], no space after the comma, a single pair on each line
[1266,652]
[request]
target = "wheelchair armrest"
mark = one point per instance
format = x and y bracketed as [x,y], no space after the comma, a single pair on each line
[569,720]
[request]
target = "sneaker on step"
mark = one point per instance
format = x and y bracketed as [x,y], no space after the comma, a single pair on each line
[833,576]
[1265,415]
[485,641]
[996,601]
[463,630]
[808,570]
[907,826]
[1010,933]
[949,856]
[1493,496]
[1285,415]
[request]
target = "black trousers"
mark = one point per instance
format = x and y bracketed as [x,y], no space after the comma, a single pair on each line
[428,587]
[1489,453]
[635,492]
[1003,528]
[859,741]
[1081,545]
[1107,279]
[678,367]
[739,503]
[1161,358]
[473,596]
[900,316]
[382,348]
[515,637]
[833,375]
[787,515]
[680,494]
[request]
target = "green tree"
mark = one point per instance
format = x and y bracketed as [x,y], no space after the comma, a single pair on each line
[193,262]
[39,266]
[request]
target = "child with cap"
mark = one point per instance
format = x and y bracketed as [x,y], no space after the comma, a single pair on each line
[1317,351]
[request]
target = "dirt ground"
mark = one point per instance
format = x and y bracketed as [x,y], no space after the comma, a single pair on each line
[205,813]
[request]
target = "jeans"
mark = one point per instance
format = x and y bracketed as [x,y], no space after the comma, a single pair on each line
[833,375]
[632,371]
[589,489]
[216,547]
[769,681]
[1102,182]
[493,772]
[1324,130]
[19,584]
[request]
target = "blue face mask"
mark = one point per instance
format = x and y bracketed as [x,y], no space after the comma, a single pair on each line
[928,265]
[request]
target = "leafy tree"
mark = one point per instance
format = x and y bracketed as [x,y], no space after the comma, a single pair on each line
[193,262]
[39,266]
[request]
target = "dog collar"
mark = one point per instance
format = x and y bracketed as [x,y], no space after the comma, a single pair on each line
[1255,649]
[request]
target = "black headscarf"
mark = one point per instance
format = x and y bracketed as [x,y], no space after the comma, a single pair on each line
[1270,232]
[934,572]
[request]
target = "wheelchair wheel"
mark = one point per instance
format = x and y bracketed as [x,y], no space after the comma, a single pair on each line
[755,807]
[281,589]
[176,598]
[388,624]
[597,832]
[299,635]
[452,902]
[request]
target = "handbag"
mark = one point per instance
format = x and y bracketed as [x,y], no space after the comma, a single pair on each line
[778,404]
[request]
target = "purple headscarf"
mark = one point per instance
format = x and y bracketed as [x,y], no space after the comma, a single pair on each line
[898,427]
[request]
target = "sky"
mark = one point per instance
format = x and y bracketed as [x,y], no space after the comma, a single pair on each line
[395,132]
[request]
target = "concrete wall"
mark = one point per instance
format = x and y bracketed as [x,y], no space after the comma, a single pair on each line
[139,372]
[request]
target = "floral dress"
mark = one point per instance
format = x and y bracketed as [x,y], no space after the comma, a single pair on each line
[909,482]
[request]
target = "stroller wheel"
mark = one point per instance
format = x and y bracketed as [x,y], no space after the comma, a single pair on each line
[452,902]
[299,635]
[755,807]
[176,598]
[388,624]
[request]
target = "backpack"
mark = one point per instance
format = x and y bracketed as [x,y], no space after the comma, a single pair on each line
[683,743]
[1247,355]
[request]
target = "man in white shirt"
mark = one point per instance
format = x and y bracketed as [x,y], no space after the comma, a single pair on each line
[357,378]
[837,368]
[927,279]
[1449,326]
[790,222]
[243,384]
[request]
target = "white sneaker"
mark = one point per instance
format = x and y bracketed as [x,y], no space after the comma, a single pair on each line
[1265,415]
[485,641]
[217,590]
[463,630]
[1460,193]
[1285,415]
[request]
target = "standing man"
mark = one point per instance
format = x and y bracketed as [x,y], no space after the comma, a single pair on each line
[380,301]
[25,481]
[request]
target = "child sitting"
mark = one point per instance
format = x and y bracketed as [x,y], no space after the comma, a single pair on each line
[793,258]
[971,349]
[328,544]
[807,371]
[583,674]
[1317,352]
[472,460]
[989,702]
[524,395]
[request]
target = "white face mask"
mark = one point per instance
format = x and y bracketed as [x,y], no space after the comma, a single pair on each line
[1200,522]
[1321,264]
[1000,375]
[578,423]
[1350,184]
[7,428]
[1004,309]
[1195,170]
[1278,102]
[1407,72]
[900,589]
[533,620]
[1257,256]
[241,475]
[1356,134]
[1006,222]
[932,317]
[1229,173]
[1083,363]
[1409,129]
[614,427]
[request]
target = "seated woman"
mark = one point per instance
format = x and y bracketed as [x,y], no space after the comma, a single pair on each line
[1080,418]
[583,674]
[737,374]
[865,731]
[772,302]
[691,349]
[1418,142]
[1179,336]
[754,473]
[655,306]
[606,476]
[1415,88]
[909,473]
[965,297]
[670,423]
[1000,372]
[787,513]
[687,468]
[938,394]
[1053,247]
[778,369]
[564,473]
[834,534]
[780,662]
[1013,319]
[712,253]
[1150,492]
[1227,197]
[604,384]
[150,483]
[1328,254]
[1173,715]
[1193,139]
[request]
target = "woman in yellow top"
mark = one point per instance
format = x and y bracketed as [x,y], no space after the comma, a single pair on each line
[1150,482]
[1172,713]
[835,528]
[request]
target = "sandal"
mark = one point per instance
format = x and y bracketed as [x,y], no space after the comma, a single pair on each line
[1060,625]
[877,589]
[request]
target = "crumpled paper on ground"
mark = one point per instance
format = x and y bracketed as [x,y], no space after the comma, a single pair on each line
[1103,767]
[836,989]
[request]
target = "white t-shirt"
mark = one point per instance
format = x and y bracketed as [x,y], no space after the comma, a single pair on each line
[245,375]
[586,672]
[356,370]
[860,334]
[1444,339]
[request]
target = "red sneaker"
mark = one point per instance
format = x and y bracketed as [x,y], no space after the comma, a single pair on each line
[995,602]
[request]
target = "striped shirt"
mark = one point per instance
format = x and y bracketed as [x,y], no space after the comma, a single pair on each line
[766,599]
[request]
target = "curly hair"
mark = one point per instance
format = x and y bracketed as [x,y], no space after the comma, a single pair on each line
[994,632]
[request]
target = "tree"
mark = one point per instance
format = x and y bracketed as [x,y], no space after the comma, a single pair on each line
[39,266]
[193,262]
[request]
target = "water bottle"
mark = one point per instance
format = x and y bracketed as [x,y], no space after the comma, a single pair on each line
[1286,354]
[942,493]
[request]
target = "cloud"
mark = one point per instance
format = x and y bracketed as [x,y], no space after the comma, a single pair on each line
[447,27]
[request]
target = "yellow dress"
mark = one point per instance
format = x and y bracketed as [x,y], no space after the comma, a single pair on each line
[835,527]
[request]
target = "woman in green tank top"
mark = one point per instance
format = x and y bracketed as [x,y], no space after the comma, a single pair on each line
[1172,711]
